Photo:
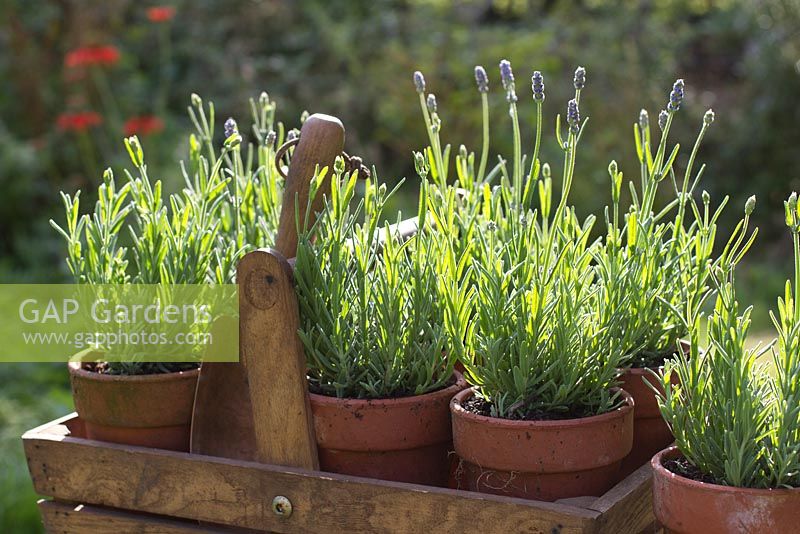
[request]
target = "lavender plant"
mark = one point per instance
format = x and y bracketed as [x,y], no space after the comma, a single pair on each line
[136,234]
[378,313]
[227,207]
[735,420]
[538,345]
[660,259]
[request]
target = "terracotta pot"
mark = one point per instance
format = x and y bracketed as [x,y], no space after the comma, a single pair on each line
[542,460]
[406,439]
[650,432]
[686,506]
[145,410]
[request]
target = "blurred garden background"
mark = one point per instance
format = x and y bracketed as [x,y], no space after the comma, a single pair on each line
[77,76]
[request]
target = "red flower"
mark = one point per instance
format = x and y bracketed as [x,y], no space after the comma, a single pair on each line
[144,125]
[160,13]
[92,55]
[79,122]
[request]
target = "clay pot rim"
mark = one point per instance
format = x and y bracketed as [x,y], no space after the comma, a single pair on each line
[458,410]
[327,400]
[75,368]
[673,478]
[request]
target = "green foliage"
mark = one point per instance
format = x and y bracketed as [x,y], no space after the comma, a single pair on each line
[138,234]
[380,317]
[192,237]
[731,418]
[540,340]
[662,266]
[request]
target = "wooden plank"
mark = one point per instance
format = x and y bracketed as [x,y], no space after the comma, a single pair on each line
[628,506]
[237,493]
[63,518]
[273,356]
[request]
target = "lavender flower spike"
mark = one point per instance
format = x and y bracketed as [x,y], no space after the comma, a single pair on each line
[537,84]
[573,116]
[481,79]
[662,119]
[580,78]
[431,103]
[507,76]
[230,127]
[419,82]
[676,96]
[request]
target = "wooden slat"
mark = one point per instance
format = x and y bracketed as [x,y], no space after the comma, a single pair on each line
[236,493]
[62,518]
[628,506]
[273,356]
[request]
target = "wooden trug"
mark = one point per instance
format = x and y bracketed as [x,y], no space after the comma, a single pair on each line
[101,487]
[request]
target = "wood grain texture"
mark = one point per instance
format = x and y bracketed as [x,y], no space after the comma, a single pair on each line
[237,493]
[273,356]
[223,423]
[62,518]
[628,506]
[321,140]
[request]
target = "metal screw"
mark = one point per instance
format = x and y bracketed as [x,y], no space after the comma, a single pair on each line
[282,506]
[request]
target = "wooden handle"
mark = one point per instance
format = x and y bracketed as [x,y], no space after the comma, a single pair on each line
[321,140]
[275,361]
[269,347]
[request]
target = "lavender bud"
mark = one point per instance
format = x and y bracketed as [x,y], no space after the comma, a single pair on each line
[580,78]
[419,82]
[573,116]
[462,152]
[612,168]
[292,134]
[546,171]
[676,96]
[230,127]
[507,77]
[431,103]
[270,139]
[263,99]
[491,226]
[662,119]
[706,196]
[339,166]
[709,117]
[644,120]
[750,205]
[481,79]
[537,84]
[196,100]
[790,206]
[420,165]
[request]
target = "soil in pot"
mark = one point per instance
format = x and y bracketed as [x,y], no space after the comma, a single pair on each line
[147,410]
[684,505]
[650,432]
[540,459]
[404,439]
